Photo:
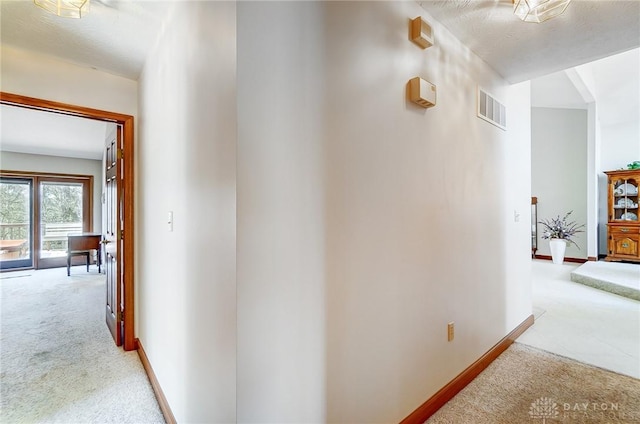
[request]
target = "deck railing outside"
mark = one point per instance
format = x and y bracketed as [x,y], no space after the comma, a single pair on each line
[53,239]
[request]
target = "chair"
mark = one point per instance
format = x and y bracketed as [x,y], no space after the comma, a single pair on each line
[82,245]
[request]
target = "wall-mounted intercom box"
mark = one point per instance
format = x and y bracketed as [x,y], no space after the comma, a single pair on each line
[422,92]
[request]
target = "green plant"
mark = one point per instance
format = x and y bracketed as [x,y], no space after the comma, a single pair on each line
[558,228]
[634,165]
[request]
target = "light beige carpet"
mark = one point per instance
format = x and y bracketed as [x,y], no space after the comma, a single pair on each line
[528,385]
[618,278]
[58,361]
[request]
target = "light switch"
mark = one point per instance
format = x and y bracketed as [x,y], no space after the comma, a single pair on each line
[516,216]
[170,221]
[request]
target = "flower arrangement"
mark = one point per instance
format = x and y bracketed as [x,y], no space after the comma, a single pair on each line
[634,165]
[557,228]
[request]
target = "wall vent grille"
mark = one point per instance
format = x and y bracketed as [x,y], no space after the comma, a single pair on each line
[491,110]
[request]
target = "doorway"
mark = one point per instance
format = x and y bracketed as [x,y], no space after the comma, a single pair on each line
[126,235]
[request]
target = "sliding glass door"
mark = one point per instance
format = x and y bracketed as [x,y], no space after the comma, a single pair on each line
[63,209]
[16,223]
[37,213]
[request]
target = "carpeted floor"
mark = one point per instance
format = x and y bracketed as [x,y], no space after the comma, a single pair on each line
[58,361]
[618,278]
[528,385]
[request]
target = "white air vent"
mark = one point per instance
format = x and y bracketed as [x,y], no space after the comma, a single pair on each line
[491,110]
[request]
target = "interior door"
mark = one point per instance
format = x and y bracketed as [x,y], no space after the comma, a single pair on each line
[112,238]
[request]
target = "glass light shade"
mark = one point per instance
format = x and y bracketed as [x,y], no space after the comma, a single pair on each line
[539,10]
[65,8]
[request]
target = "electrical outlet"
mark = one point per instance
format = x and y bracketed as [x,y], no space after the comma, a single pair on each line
[450,329]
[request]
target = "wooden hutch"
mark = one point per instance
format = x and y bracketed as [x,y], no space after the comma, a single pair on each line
[623,227]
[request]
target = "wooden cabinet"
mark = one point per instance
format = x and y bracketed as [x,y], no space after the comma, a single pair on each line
[623,227]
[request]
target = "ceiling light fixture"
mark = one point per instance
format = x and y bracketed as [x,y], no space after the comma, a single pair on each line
[539,10]
[65,8]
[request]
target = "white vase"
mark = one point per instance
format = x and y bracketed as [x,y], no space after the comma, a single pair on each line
[557,247]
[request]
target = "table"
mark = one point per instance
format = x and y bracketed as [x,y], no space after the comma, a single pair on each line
[82,244]
[12,249]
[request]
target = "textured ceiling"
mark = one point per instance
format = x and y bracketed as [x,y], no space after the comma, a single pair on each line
[114,36]
[519,51]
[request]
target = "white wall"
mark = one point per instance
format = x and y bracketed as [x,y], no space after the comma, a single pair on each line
[616,86]
[517,185]
[620,146]
[281,217]
[11,161]
[187,164]
[622,142]
[418,214]
[594,202]
[35,75]
[407,195]
[559,170]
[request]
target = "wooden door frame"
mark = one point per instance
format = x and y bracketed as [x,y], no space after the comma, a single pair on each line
[128,183]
